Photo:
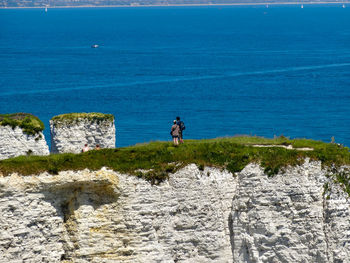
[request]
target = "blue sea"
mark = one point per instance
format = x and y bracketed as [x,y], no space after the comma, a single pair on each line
[225,71]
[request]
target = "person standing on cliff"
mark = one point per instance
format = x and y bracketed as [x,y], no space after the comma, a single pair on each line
[86,148]
[175,129]
[181,125]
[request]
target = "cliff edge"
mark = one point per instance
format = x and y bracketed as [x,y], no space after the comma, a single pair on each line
[208,215]
[240,199]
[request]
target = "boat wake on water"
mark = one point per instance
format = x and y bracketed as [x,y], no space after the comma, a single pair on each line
[179,79]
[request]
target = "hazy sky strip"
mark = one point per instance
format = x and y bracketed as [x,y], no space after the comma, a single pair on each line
[178,79]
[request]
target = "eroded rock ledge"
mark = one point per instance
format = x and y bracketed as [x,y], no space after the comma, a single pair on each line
[195,216]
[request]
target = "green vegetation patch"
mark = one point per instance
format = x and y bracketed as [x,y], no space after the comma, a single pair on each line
[29,123]
[70,118]
[155,160]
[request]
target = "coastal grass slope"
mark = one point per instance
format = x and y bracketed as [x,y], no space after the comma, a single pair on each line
[29,123]
[154,161]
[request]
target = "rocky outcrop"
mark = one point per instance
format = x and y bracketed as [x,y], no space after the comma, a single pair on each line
[38,213]
[70,134]
[110,217]
[195,216]
[14,142]
[296,216]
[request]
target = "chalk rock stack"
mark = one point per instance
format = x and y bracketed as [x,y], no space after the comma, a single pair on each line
[21,134]
[70,132]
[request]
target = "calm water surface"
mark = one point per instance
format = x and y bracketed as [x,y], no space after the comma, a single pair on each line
[224,70]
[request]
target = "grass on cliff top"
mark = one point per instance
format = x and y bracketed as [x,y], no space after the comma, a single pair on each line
[160,158]
[92,116]
[29,123]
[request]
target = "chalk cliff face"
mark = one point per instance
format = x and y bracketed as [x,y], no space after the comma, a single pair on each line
[195,216]
[13,142]
[72,136]
[290,217]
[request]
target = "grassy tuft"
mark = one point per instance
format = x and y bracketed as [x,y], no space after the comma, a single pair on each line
[29,123]
[74,117]
[343,178]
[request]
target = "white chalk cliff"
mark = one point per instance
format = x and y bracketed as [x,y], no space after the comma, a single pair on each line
[14,142]
[70,137]
[195,216]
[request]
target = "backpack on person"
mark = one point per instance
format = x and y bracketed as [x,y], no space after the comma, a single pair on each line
[182,125]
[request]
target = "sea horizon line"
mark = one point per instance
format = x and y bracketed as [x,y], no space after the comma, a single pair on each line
[181,5]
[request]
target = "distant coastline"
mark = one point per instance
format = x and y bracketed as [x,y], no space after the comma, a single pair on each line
[181,5]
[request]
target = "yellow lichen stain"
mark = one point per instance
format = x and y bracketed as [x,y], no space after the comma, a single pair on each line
[103,214]
[106,193]
[115,254]
[102,191]
[111,176]
[104,229]
[96,230]
[100,216]
[70,218]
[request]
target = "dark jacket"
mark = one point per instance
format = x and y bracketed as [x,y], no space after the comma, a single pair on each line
[180,124]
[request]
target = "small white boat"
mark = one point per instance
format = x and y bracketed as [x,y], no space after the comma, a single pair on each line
[302,6]
[45,9]
[94,46]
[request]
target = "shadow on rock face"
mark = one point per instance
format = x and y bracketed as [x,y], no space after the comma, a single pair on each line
[68,199]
